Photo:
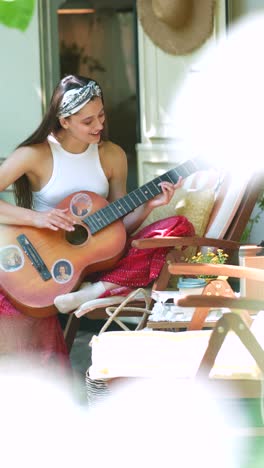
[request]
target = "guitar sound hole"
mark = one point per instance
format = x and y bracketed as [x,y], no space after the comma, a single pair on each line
[78,236]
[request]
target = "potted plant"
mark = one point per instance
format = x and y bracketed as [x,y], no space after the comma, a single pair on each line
[195,285]
[191,285]
[210,256]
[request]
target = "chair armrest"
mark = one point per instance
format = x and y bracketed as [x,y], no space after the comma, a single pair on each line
[185,241]
[220,301]
[219,270]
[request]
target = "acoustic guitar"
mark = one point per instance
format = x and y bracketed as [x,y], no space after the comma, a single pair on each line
[36,265]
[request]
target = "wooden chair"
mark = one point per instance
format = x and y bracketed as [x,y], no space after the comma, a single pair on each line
[229,217]
[243,310]
[233,375]
[245,379]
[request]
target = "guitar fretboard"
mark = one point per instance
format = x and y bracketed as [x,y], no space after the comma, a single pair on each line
[121,207]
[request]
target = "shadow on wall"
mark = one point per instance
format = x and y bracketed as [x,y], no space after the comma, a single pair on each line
[122,126]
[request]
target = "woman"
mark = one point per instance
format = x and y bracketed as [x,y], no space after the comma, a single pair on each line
[67,153]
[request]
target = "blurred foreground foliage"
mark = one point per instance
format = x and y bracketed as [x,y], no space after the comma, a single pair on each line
[16,13]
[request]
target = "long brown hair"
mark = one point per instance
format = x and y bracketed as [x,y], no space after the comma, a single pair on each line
[50,124]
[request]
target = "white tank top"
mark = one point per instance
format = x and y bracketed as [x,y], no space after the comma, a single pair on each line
[71,173]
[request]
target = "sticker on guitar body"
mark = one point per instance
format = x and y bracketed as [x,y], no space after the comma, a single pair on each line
[11,258]
[62,271]
[81,205]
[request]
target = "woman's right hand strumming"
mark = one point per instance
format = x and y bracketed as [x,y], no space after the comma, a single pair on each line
[53,219]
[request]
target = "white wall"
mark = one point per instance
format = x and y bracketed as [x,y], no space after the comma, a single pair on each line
[20,86]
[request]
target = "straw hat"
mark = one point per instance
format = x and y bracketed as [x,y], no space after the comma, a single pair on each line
[177,26]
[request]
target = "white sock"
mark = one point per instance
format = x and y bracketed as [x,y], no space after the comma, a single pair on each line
[68,302]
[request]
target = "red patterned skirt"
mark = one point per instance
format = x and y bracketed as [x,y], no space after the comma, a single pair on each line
[40,337]
[140,267]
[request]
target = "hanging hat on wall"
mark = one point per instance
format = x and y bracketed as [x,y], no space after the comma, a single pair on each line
[177,26]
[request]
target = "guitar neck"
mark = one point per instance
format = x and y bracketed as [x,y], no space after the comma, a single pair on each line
[121,207]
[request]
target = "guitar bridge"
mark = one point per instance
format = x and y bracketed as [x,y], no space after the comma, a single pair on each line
[34,257]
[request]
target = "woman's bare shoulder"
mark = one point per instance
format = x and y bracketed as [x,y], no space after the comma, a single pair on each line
[29,154]
[23,160]
[113,160]
[110,148]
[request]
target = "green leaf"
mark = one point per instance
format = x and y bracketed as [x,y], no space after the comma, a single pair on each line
[16,13]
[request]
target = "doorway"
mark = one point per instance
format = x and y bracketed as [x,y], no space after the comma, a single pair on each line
[102,44]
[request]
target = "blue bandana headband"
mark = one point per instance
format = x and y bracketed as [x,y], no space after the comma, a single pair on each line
[74,99]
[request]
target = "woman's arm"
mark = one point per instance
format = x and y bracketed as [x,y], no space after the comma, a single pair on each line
[20,162]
